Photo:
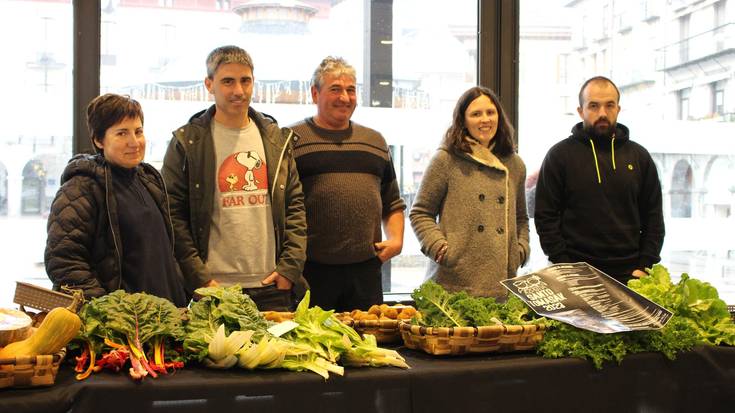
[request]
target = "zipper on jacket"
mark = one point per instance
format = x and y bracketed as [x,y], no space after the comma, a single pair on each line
[280,161]
[168,211]
[108,183]
[273,191]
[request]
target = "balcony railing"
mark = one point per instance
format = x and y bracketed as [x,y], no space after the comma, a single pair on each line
[695,48]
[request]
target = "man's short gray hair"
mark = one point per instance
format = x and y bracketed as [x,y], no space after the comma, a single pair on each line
[336,66]
[227,54]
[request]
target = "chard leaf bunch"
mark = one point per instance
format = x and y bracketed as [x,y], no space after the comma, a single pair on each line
[225,329]
[121,326]
[440,308]
[220,306]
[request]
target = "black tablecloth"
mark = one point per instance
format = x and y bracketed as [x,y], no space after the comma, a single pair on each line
[702,380]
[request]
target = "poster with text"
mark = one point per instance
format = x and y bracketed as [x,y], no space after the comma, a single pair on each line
[585,297]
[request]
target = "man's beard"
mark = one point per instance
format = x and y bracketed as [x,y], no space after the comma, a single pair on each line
[600,131]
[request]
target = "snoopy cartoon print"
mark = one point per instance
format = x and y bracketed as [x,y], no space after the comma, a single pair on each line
[251,161]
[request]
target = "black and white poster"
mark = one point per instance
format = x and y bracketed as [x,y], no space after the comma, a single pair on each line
[585,297]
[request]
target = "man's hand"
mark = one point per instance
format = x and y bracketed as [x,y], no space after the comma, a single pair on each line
[210,283]
[393,229]
[388,249]
[639,273]
[282,283]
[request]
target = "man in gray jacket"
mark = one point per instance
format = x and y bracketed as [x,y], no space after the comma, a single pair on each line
[236,201]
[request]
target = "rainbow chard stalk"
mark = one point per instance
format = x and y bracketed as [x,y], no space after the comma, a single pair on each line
[122,325]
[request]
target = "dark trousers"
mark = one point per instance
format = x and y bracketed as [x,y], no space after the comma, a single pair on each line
[345,287]
[270,298]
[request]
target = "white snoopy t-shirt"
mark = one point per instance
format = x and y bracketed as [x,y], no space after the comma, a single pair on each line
[242,238]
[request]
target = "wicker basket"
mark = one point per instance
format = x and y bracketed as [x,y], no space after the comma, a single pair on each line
[464,340]
[384,330]
[30,371]
[33,296]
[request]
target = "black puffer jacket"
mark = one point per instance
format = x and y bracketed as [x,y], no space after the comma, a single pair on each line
[83,249]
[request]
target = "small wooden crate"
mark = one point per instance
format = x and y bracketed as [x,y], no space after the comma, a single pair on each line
[30,371]
[467,340]
[33,296]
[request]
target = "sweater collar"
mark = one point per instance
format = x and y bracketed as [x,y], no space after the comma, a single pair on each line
[485,156]
[124,174]
[336,135]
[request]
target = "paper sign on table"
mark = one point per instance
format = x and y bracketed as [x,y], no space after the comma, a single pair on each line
[585,297]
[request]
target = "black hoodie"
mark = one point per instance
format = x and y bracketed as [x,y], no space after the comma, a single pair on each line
[598,200]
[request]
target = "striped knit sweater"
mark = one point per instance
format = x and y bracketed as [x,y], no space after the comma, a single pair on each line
[349,186]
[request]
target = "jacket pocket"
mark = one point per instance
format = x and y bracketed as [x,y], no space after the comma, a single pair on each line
[515,258]
[450,257]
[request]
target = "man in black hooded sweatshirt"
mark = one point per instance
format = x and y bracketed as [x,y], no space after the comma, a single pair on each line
[598,197]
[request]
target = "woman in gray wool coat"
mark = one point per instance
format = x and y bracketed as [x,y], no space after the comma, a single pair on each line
[475,186]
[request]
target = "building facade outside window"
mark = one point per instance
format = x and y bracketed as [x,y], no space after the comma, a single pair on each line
[673,63]
[36,133]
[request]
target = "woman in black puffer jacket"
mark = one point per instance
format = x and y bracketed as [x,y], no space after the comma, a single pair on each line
[109,226]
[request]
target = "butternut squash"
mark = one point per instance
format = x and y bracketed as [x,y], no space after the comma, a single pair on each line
[55,332]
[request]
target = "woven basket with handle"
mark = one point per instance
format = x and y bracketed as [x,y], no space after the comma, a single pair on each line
[464,340]
[30,371]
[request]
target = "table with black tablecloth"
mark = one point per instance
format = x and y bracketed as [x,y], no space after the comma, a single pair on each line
[702,380]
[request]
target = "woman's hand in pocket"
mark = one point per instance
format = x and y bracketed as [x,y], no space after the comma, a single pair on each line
[440,256]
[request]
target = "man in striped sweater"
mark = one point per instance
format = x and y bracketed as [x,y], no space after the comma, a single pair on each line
[350,189]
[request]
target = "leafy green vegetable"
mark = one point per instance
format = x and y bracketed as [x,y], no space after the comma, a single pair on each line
[432,301]
[440,308]
[697,302]
[226,306]
[125,323]
[367,353]
[564,340]
[333,341]
[700,317]
[321,330]
[225,328]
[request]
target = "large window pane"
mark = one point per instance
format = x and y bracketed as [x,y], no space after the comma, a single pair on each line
[413,58]
[674,64]
[35,140]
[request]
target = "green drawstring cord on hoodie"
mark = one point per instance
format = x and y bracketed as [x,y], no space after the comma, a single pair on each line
[613,151]
[594,154]
[597,166]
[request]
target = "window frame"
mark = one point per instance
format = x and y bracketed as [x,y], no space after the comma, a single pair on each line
[497,58]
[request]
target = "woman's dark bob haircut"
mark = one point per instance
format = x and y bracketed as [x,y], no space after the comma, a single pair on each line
[108,110]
